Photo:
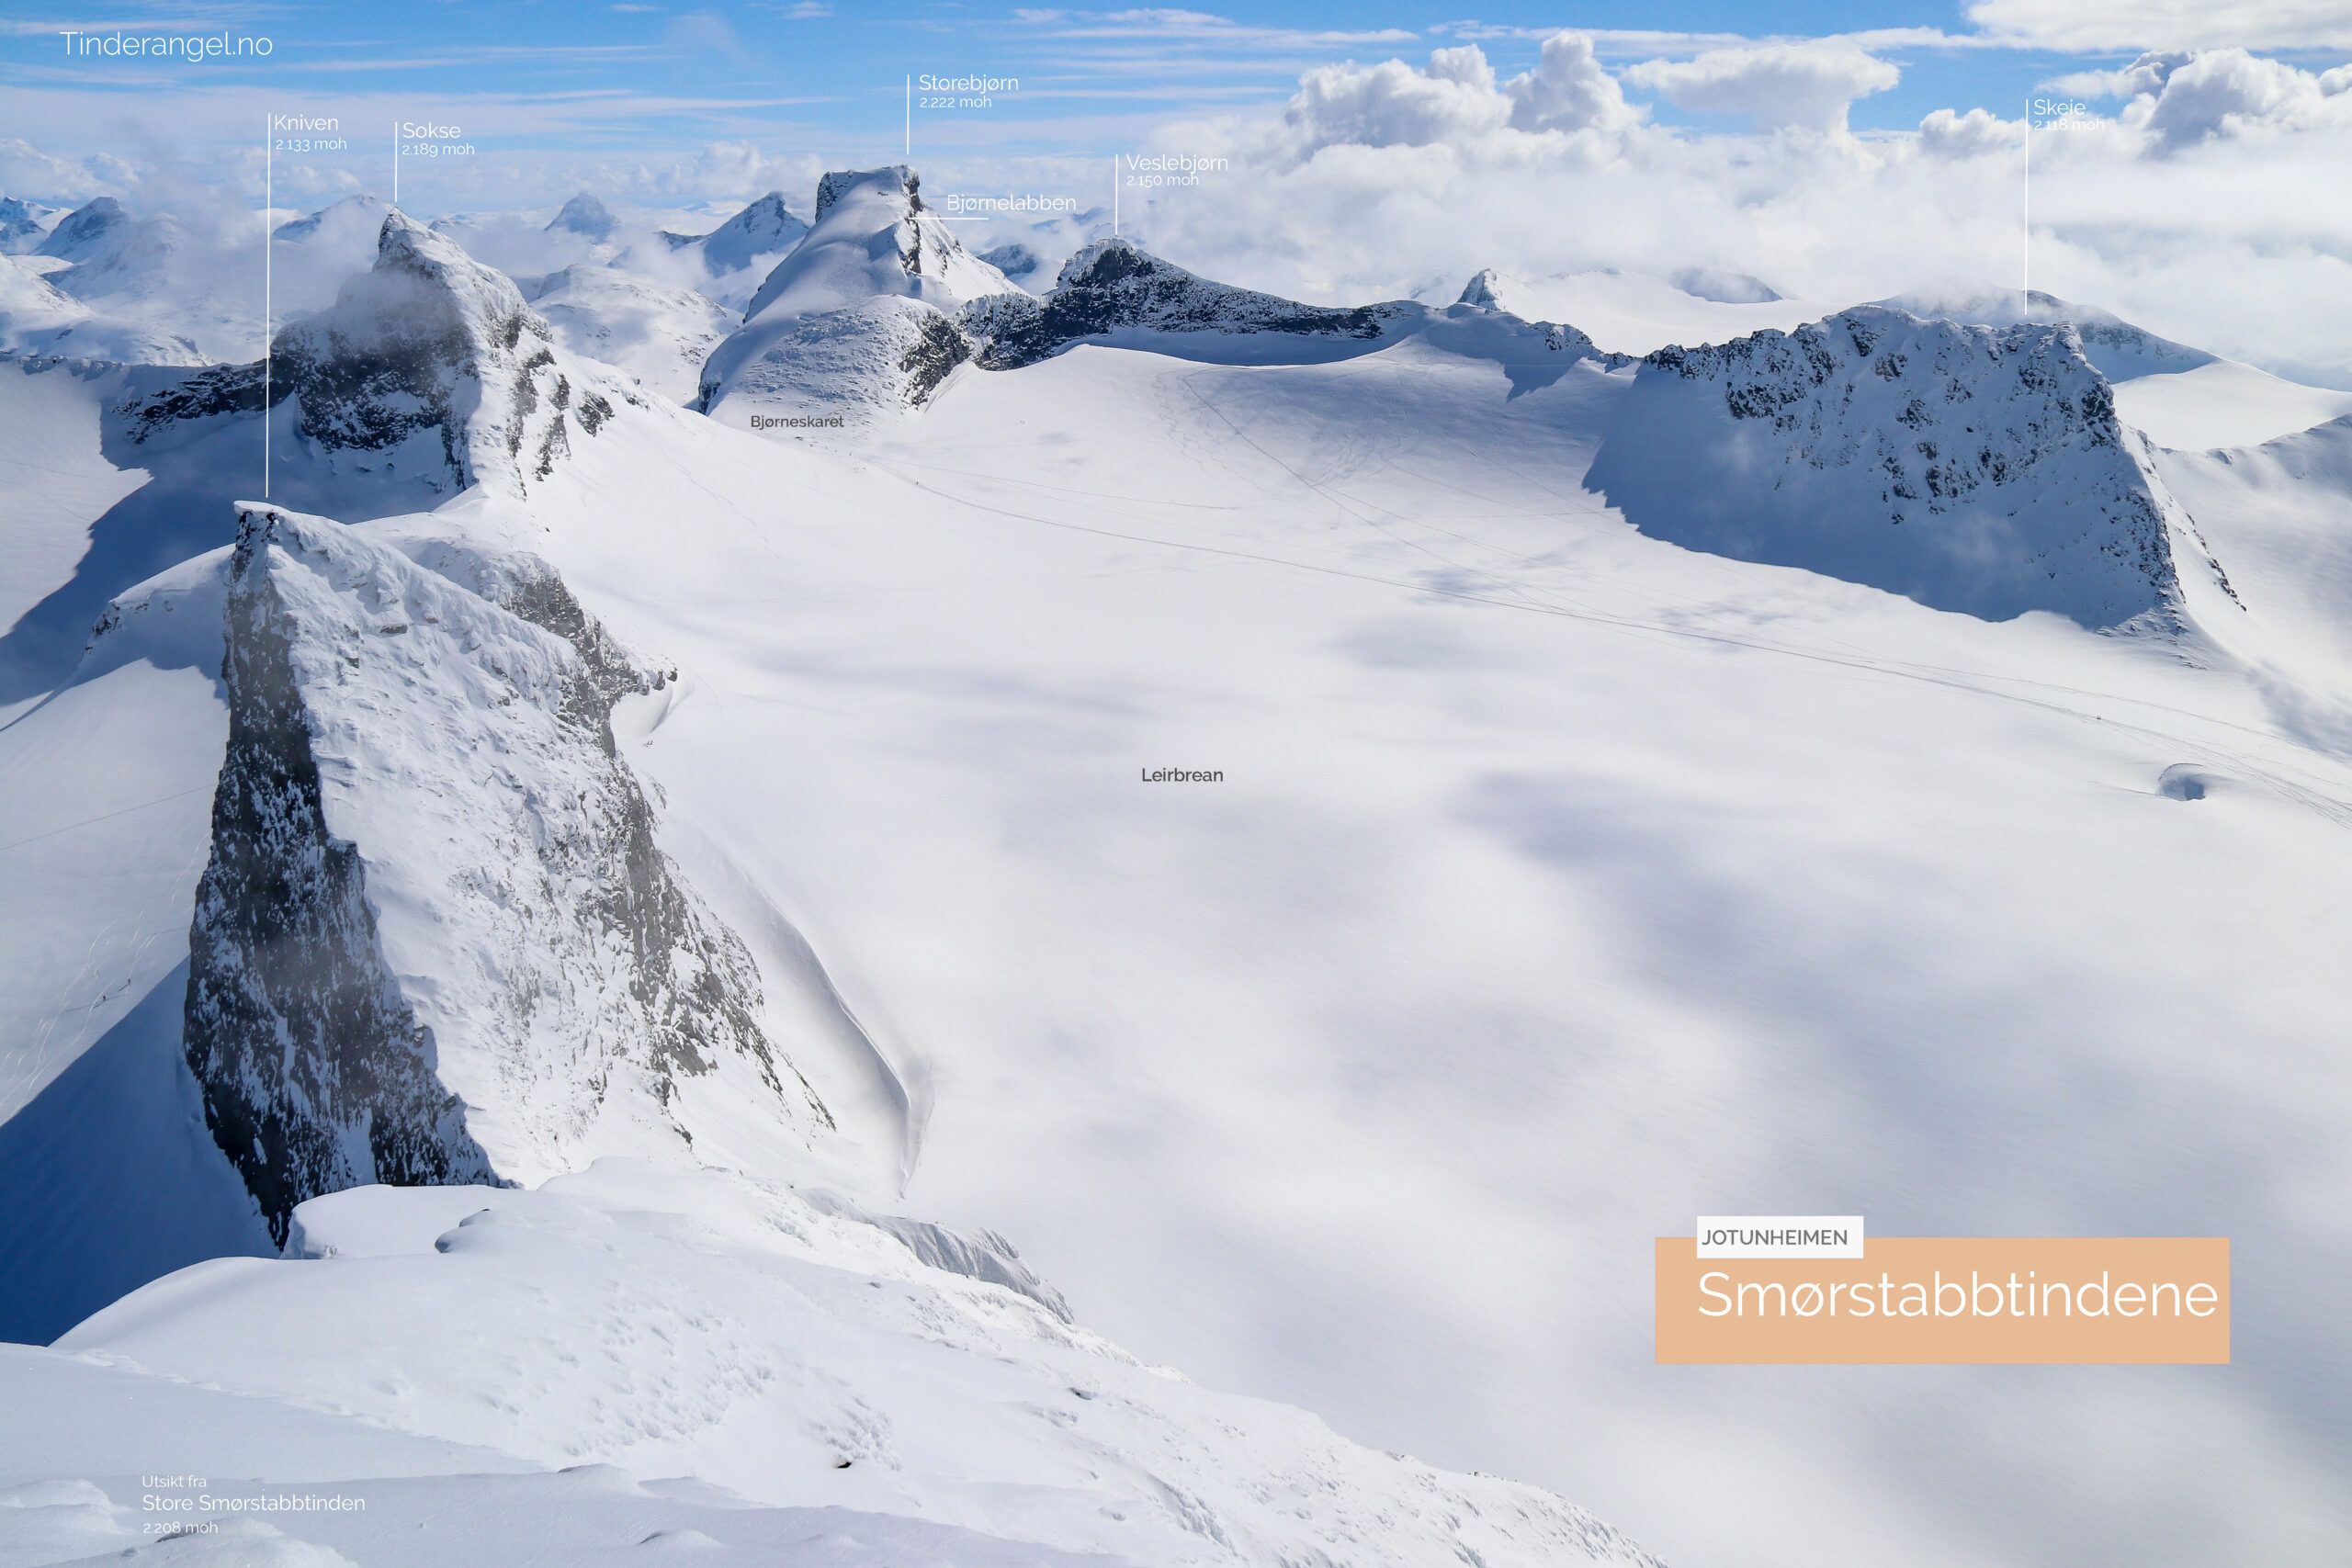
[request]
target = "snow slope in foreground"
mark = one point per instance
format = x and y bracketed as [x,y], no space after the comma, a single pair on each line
[795,1358]
[1562,884]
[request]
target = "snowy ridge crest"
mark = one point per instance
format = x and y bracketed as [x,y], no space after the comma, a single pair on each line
[437,941]
[855,323]
[315,1072]
[977,1254]
[1973,469]
[768,227]
[433,361]
[1113,286]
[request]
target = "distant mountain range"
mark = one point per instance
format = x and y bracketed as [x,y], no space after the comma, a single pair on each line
[505,922]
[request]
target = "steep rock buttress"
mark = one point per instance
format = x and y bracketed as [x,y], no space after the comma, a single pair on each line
[437,940]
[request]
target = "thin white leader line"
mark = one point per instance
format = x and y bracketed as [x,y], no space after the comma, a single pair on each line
[911,117]
[396,194]
[108,817]
[1114,196]
[2025,306]
[268,254]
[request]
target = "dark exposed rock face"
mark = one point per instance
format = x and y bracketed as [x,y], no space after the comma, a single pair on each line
[204,394]
[1113,284]
[938,348]
[438,940]
[842,183]
[316,1075]
[856,322]
[428,374]
[1973,469]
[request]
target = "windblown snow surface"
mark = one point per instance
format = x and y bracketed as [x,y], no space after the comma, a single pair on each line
[1564,881]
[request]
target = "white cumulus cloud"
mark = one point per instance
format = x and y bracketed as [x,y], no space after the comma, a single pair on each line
[1811,85]
[2222,220]
[1395,104]
[1569,91]
[2228,94]
[1948,134]
[1456,100]
[2144,75]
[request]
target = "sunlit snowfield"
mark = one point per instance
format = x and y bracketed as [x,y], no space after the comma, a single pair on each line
[1562,884]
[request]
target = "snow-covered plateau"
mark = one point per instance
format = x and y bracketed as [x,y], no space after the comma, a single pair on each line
[600,973]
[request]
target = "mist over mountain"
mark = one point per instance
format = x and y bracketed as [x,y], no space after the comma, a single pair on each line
[606,885]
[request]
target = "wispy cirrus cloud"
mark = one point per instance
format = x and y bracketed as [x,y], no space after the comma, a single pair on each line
[1167,25]
[2069,25]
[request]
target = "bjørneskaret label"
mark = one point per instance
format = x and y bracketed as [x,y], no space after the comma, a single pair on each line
[1181,775]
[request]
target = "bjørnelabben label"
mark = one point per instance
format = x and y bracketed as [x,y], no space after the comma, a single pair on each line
[1954,1299]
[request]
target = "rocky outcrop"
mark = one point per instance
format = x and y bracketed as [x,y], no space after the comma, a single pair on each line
[431,355]
[428,374]
[1972,468]
[315,1073]
[1115,288]
[437,941]
[857,321]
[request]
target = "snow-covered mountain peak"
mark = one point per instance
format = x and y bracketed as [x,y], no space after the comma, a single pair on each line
[1102,262]
[895,184]
[857,322]
[503,980]
[486,299]
[738,255]
[585,216]
[1973,469]
[1480,290]
[2183,397]
[82,232]
[336,216]
[118,256]
[431,368]
[767,227]
[23,224]
[38,319]
[2122,351]
[1113,290]
[1637,313]
[873,238]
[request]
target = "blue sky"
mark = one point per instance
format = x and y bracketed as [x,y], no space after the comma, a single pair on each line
[638,78]
[2216,213]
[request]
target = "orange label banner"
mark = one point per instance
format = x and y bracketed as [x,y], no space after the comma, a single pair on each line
[1952,1300]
